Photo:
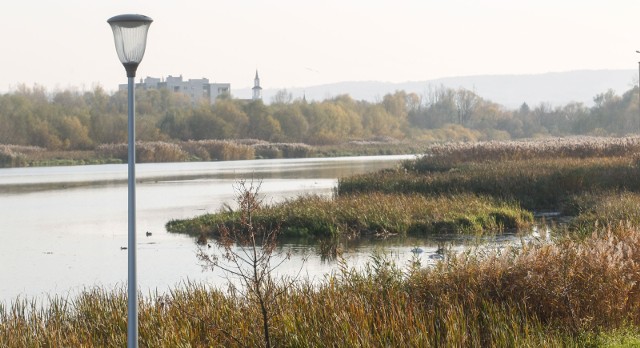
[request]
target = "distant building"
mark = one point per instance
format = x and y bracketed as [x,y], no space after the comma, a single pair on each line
[196,89]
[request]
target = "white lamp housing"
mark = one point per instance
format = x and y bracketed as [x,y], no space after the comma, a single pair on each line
[130,35]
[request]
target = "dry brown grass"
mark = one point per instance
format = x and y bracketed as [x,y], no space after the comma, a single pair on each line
[444,156]
[586,285]
[218,150]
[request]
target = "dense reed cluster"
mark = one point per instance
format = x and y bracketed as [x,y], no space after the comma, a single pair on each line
[445,156]
[538,176]
[15,155]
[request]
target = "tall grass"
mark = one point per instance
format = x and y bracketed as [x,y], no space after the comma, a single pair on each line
[371,148]
[146,152]
[603,209]
[283,150]
[218,150]
[446,156]
[535,183]
[16,155]
[192,150]
[568,293]
[576,284]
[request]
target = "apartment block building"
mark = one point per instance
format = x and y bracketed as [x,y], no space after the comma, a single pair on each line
[196,89]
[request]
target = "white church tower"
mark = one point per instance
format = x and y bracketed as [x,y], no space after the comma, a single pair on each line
[257,90]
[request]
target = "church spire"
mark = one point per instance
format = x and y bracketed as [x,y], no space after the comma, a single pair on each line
[257,90]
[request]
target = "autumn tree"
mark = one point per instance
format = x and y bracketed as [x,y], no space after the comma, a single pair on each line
[293,123]
[235,118]
[262,125]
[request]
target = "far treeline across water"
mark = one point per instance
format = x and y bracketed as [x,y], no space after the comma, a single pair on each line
[35,120]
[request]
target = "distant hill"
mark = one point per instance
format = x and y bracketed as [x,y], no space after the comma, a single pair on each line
[558,88]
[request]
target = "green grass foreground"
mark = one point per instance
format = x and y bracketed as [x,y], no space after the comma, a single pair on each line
[540,294]
[375,213]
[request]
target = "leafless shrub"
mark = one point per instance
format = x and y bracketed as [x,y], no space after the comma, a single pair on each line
[248,250]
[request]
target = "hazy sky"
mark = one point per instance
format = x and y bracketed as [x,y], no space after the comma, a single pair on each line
[295,43]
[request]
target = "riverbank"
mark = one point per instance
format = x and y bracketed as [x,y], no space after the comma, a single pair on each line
[12,156]
[65,226]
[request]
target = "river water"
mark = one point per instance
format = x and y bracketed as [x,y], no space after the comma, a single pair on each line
[63,228]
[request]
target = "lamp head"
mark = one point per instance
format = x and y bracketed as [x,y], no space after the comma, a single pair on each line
[130,36]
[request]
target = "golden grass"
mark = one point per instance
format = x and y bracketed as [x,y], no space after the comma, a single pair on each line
[444,156]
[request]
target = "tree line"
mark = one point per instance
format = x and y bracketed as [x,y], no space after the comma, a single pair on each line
[72,120]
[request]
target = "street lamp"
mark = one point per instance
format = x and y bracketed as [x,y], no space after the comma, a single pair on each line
[130,35]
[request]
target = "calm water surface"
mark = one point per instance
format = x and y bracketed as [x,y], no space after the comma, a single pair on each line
[63,227]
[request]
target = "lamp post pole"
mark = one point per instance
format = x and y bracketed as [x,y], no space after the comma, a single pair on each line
[130,36]
[638,93]
[132,278]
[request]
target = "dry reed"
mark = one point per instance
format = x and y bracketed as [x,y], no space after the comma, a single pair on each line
[567,293]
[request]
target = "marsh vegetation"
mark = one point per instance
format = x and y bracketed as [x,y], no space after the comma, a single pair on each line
[579,288]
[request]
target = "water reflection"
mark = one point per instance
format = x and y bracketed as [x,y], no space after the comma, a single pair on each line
[63,227]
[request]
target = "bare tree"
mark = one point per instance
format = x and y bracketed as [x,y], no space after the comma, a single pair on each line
[248,250]
[282,97]
[466,102]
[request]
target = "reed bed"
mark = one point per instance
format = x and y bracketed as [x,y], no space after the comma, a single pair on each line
[580,285]
[372,214]
[23,156]
[446,156]
[371,148]
[158,151]
[192,150]
[537,184]
[218,150]
[17,155]
[146,152]
[571,293]
[603,209]
[24,149]
[283,150]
